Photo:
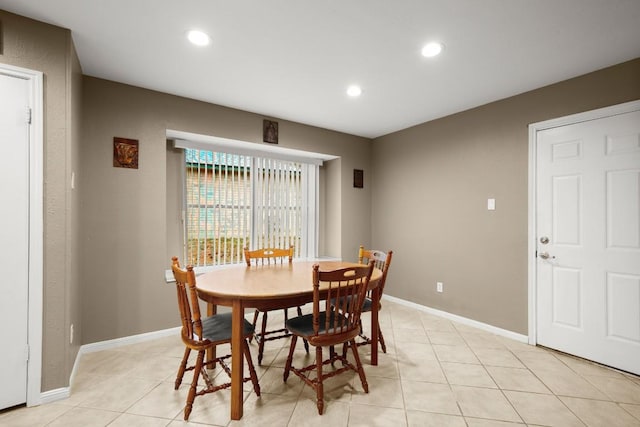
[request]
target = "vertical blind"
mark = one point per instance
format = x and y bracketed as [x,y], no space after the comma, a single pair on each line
[235,201]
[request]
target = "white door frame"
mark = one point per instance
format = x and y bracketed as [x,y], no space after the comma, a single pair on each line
[36,229]
[534,128]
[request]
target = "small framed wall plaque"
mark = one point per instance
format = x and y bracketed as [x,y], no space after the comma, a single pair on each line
[270,131]
[358,178]
[125,153]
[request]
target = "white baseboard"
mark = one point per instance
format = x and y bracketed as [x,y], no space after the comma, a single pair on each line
[63,393]
[465,321]
[133,339]
[54,395]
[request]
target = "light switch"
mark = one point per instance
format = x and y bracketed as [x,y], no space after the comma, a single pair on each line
[491,204]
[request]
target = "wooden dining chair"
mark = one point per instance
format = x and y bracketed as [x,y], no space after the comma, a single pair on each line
[381,261]
[262,256]
[338,324]
[201,334]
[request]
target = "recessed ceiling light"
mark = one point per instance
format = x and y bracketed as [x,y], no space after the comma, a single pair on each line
[432,49]
[198,38]
[354,91]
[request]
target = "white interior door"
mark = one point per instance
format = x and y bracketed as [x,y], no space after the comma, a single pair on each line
[14,238]
[588,239]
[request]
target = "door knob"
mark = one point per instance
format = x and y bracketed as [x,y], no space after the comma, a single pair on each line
[545,255]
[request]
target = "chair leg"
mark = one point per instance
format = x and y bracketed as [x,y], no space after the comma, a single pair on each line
[252,369]
[255,322]
[263,330]
[306,343]
[194,384]
[319,385]
[363,378]
[381,339]
[183,367]
[287,366]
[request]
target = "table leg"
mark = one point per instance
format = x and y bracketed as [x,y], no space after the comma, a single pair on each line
[375,304]
[211,353]
[237,359]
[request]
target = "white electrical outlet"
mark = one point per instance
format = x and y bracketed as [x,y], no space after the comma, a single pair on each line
[439,286]
[71,334]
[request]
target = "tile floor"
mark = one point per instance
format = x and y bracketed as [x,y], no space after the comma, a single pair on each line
[436,373]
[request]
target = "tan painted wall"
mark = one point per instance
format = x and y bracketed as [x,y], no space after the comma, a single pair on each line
[37,46]
[128,217]
[439,227]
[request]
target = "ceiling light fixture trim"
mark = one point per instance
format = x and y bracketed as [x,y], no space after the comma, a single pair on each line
[432,49]
[198,37]
[354,91]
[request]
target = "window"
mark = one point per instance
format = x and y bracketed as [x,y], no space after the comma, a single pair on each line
[236,200]
[239,194]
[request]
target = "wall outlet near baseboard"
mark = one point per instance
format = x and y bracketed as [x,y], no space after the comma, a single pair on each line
[439,286]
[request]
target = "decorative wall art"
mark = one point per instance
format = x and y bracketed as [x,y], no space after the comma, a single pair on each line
[270,131]
[358,178]
[125,153]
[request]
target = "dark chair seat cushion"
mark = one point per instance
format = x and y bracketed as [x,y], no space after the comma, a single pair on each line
[366,306]
[303,325]
[218,327]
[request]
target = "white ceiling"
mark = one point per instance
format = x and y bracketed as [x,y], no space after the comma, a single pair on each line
[293,59]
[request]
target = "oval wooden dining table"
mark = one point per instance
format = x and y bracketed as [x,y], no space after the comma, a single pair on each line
[267,287]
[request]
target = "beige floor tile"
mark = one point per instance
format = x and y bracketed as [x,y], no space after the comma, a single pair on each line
[429,397]
[383,392]
[405,319]
[585,367]
[516,379]
[536,359]
[306,414]
[415,352]
[429,371]
[408,387]
[596,413]
[542,409]
[426,419]
[452,353]
[106,362]
[445,338]
[268,410]
[479,422]
[401,335]
[167,346]
[34,416]
[129,420]
[156,367]
[163,402]
[619,389]
[478,342]
[467,374]
[485,403]
[568,383]
[367,416]
[171,424]
[85,417]
[272,382]
[340,387]
[434,323]
[118,393]
[387,366]
[497,357]
[632,409]
[212,408]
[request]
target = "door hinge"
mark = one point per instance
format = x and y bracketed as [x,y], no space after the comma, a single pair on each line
[26,352]
[28,115]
